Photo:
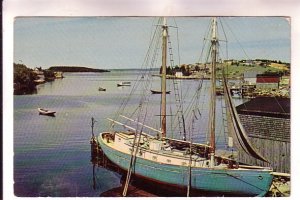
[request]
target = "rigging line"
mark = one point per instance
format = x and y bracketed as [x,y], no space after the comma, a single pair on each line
[145,94]
[224,33]
[226,40]
[188,85]
[126,100]
[279,104]
[133,157]
[205,41]
[178,50]
[178,95]
[222,27]
[219,137]
[196,95]
[172,127]
[203,107]
[190,108]
[154,59]
[189,169]
[156,27]
[244,181]
[208,55]
[151,50]
[194,105]
[202,50]
[236,39]
[177,37]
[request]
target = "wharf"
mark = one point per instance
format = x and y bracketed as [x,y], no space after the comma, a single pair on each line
[281,186]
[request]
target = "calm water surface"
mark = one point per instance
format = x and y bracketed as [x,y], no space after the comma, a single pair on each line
[52,154]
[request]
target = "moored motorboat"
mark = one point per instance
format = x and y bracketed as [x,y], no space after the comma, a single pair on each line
[124,83]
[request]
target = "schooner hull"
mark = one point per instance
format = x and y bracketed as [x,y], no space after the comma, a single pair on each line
[230,181]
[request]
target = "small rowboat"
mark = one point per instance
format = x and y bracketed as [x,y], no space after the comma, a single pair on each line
[101,89]
[46,112]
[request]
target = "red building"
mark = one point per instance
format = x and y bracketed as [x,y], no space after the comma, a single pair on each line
[267,81]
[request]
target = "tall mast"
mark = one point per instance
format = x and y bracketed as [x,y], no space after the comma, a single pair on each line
[214,42]
[163,78]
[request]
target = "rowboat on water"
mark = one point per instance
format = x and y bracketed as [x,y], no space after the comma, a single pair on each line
[43,111]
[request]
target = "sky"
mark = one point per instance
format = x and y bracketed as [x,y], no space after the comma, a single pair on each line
[122,42]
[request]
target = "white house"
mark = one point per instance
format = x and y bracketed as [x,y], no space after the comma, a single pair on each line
[178,74]
[250,77]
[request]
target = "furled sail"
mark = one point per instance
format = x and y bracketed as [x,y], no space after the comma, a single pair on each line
[235,128]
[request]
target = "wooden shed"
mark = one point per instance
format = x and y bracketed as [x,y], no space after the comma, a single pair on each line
[267,123]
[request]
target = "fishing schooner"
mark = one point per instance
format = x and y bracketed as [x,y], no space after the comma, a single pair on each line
[182,162]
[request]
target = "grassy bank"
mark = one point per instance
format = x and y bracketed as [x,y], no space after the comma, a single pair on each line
[238,70]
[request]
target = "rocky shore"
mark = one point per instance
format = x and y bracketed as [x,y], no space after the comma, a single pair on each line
[26,79]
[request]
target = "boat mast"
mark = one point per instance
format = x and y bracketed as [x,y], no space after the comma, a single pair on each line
[214,42]
[163,77]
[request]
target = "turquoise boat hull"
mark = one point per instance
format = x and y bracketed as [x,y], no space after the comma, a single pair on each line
[228,181]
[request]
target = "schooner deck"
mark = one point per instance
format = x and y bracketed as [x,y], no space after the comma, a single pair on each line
[165,151]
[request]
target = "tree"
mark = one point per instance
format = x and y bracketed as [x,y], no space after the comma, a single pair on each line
[49,75]
[24,79]
[182,69]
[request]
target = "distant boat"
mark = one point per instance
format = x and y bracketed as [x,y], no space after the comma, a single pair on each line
[124,83]
[101,89]
[46,112]
[39,81]
[219,91]
[159,92]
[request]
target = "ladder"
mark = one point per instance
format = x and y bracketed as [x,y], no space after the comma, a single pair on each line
[179,113]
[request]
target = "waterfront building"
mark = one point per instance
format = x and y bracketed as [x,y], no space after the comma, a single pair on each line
[267,81]
[267,122]
[250,77]
[178,74]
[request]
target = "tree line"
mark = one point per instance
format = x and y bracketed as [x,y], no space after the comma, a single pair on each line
[24,79]
[186,71]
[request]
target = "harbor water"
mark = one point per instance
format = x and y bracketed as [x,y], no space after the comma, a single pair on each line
[52,155]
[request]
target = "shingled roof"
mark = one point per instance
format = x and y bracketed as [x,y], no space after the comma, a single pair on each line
[266,106]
